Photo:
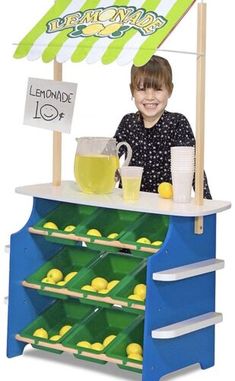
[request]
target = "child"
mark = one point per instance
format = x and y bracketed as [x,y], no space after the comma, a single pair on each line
[152,130]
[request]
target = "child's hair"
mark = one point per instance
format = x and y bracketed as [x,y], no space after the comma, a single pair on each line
[154,74]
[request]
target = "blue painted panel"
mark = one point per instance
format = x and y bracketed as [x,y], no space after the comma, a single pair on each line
[171,302]
[28,252]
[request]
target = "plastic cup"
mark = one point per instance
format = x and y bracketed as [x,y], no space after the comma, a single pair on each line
[131,181]
[182,185]
[182,158]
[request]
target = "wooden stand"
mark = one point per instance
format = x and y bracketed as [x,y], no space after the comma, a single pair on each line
[200,112]
[57,137]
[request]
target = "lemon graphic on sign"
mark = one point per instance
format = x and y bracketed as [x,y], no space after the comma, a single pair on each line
[92,29]
[110,29]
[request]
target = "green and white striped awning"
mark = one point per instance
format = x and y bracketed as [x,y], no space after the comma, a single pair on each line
[107,30]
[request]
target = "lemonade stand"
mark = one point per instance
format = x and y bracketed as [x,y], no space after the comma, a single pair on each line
[151,308]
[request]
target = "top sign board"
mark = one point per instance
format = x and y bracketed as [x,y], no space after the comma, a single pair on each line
[122,31]
[50,104]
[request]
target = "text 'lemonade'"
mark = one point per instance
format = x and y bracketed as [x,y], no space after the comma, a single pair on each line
[96,173]
[131,187]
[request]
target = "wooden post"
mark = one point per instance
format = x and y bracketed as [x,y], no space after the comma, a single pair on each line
[57,137]
[200,112]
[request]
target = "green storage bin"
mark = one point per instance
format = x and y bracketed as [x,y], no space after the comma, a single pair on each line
[134,334]
[104,322]
[64,215]
[59,314]
[127,289]
[107,221]
[110,266]
[69,259]
[151,226]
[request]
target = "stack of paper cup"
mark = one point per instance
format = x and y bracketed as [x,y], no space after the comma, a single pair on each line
[182,171]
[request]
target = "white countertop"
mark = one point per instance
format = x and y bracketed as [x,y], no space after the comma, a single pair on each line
[148,202]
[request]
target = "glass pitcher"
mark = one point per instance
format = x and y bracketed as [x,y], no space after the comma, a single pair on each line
[96,163]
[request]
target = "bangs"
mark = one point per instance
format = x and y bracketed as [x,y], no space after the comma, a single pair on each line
[145,80]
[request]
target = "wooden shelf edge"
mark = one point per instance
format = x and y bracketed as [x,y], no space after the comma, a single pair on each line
[73,351]
[74,237]
[187,326]
[74,294]
[188,271]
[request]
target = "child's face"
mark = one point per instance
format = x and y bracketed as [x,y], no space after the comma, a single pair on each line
[150,102]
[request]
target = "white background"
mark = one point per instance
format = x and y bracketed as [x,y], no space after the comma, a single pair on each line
[103,98]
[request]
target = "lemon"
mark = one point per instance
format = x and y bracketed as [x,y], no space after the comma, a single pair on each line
[48,280]
[99,283]
[134,348]
[135,356]
[157,243]
[64,329]
[112,284]
[69,228]
[55,274]
[165,190]
[135,297]
[140,290]
[61,283]
[144,240]
[50,225]
[84,344]
[41,332]
[69,276]
[108,340]
[112,235]
[55,337]
[104,291]
[94,232]
[97,346]
[88,287]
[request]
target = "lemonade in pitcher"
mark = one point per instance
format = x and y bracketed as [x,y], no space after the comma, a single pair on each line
[96,162]
[96,173]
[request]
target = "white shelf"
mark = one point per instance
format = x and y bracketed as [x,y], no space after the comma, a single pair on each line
[188,271]
[187,326]
[147,203]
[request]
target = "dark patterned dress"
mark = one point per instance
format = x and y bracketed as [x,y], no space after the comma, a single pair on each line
[151,146]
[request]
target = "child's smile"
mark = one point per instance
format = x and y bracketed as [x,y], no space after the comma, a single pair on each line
[151,103]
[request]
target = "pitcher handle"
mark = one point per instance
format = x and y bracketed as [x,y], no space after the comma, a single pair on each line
[129,152]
